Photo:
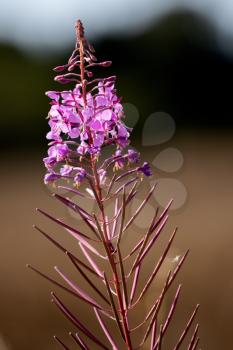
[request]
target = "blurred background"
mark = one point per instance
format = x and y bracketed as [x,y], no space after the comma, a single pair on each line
[172,56]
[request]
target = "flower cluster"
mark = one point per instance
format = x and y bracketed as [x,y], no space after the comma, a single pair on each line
[83,122]
[95,123]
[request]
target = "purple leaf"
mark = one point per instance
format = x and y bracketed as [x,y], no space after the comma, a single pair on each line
[123,277]
[75,232]
[122,219]
[77,289]
[193,339]
[135,282]
[105,330]
[157,267]
[89,281]
[153,334]
[114,226]
[137,212]
[77,295]
[150,245]
[61,343]
[187,327]
[78,340]
[172,309]
[144,242]
[155,309]
[72,190]
[114,309]
[195,344]
[91,261]
[178,267]
[59,246]
[76,322]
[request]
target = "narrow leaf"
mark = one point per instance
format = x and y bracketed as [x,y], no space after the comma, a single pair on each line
[187,327]
[88,280]
[196,344]
[59,246]
[100,205]
[163,214]
[107,227]
[72,190]
[110,185]
[153,334]
[135,283]
[114,226]
[104,239]
[123,277]
[159,344]
[145,240]
[178,267]
[126,184]
[114,309]
[61,343]
[193,339]
[136,247]
[132,192]
[152,309]
[78,340]
[76,322]
[87,218]
[156,269]
[122,219]
[137,212]
[86,244]
[77,289]
[172,309]
[105,330]
[128,172]
[91,261]
[154,239]
[69,228]
[76,294]
[157,308]
[74,206]
[55,282]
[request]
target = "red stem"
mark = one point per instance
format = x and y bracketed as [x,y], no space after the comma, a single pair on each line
[123,311]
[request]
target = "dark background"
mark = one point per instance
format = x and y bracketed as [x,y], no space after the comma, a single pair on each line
[176,60]
[175,65]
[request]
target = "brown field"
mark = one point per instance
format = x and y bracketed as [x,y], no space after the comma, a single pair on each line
[28,319]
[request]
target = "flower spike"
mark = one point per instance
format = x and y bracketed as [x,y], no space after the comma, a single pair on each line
[84,119]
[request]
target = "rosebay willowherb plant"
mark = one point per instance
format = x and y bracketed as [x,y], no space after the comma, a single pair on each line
[83,121]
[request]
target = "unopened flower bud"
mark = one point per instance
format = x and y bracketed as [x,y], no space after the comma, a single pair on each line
[105,64]
[145,169]
[72,67]
[112,78]
[89,74]
[60,79]
[93,58]
[59,68]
